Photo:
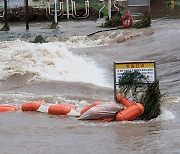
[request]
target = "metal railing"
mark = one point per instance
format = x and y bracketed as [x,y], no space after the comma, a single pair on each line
[63,9]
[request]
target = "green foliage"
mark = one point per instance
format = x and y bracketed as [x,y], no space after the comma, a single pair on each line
[131,80]
[150,97]
[144,22]
[53,25]
[5,28]
[151,101]
[19,14]
[1,9]
[39,39]
[115,21]
[98,6]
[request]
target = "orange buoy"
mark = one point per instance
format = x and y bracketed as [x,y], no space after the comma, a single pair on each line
[70,105]
[130,113]
[108,120]
[8,108]
[60,109]
[90,106]
[123,100]
[127,20]
[31,106]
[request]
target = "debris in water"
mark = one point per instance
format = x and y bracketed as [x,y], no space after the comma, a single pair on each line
[148,94]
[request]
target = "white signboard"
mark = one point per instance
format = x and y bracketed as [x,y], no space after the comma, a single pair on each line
[146,68]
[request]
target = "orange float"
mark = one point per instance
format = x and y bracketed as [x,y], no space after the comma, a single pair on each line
[60,109]
[70,105]
[8,108]
[123,100]
[31,106]
[130,113]
[127,20]
[90,106]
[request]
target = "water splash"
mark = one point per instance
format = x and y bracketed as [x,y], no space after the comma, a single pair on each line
[48,61]
[166,115]
[99,39]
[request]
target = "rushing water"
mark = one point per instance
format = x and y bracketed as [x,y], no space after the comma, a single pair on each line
[74,68]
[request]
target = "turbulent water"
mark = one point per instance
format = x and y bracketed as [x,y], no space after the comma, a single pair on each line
[74,68]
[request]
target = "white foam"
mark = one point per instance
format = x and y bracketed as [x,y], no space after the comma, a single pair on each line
[165,115]
[84,41]
[52,61]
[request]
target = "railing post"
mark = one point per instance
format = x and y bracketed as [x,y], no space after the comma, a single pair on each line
[5,13]
[67,8]
[109,9]
[27,15]
[55,12]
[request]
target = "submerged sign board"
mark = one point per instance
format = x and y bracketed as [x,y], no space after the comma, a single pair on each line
[146,68]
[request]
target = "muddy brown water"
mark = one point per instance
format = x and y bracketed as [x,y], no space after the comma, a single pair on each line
[73,68]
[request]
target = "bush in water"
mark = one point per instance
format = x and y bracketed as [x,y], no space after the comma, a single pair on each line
[134,83]
[144,22]
[39,39]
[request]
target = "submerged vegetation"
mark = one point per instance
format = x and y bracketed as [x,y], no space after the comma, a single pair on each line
[115,21]
[135,83]
[39,39]
[5,28]
[1,9]
[144,22]
[151,101]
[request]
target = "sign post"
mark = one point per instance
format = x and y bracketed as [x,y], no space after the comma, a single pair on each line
[146,68]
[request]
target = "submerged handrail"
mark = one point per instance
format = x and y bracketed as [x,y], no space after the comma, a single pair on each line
[104,5]
[73,13]
[2,16]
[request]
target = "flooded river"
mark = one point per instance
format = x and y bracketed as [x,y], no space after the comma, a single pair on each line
[74,68]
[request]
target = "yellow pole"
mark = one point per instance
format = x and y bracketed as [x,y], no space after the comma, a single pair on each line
[172,4]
